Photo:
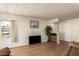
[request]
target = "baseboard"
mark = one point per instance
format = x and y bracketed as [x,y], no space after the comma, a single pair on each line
[64,41]
[17,45]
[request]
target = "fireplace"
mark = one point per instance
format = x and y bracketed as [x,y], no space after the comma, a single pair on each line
[35,39]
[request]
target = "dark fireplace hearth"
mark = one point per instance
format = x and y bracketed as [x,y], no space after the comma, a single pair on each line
[35,39]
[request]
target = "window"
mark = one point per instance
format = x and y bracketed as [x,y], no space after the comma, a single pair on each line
[4,29]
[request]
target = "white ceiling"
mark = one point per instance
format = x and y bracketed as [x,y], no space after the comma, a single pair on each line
[42,10]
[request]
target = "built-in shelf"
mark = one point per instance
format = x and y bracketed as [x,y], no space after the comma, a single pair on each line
[54,37]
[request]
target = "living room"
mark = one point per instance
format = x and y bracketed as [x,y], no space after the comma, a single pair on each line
[24,32]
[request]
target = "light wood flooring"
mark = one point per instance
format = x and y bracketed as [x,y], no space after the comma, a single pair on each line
[41,49]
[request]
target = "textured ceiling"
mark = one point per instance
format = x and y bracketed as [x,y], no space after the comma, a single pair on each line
[42,10]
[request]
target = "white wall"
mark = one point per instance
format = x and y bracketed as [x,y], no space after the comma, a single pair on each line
[23,29]
[53,23]
[69,30]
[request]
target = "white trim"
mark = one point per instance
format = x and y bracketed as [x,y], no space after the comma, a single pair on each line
[17,45]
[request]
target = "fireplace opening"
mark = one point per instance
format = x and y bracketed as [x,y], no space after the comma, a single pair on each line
[35,39]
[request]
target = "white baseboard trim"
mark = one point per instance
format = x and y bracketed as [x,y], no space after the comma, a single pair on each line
[17,45]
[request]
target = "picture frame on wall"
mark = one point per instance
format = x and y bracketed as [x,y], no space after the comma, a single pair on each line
[34,24]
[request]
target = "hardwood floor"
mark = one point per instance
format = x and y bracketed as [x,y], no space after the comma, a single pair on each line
[41,49]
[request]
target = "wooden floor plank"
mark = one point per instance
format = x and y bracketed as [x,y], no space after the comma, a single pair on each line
[40,49]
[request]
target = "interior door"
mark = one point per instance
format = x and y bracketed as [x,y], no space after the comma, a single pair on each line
[75,30]
[67,31]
